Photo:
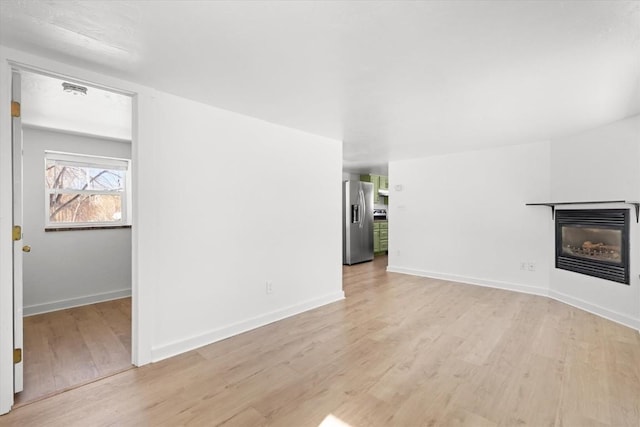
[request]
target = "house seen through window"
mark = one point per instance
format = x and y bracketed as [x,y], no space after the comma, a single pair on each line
[85,190]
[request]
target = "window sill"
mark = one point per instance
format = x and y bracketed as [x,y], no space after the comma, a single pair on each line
[88,227]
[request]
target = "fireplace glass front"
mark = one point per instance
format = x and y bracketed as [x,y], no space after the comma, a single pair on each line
[592,243]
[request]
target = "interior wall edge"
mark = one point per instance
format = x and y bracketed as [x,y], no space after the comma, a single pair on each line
[210,337]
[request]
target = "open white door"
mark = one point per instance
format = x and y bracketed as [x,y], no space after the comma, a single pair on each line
[16,135]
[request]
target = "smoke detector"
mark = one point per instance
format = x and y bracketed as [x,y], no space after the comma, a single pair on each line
[74,89]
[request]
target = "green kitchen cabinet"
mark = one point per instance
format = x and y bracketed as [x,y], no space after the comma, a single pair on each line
[380,237]
[379,182]
[376,237]
[383,185]
[384,182]
[384,236]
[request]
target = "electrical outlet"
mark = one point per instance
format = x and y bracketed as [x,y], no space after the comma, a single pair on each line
[523,265]
[531,266]
[269,288]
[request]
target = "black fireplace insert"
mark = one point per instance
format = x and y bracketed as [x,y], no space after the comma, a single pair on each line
[594,242]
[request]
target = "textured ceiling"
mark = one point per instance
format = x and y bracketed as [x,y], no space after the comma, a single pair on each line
[393,80]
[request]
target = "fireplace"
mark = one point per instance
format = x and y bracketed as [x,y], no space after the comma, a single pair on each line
[594,242]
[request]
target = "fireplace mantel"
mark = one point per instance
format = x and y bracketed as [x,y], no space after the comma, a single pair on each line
[553,205]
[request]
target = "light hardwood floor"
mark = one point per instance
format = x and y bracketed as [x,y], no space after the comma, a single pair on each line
[399,351]
[64,349]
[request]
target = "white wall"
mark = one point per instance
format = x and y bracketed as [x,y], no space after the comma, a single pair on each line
[463,217]
[601,164]
[69,268]
[229,211]
[200,254]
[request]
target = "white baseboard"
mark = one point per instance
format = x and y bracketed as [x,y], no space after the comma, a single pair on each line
[527,289]
[614,316]
[178,347]
[30,310]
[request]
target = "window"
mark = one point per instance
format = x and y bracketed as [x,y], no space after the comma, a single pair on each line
[83,190]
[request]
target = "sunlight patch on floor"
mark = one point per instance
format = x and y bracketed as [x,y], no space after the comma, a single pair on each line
[332,421]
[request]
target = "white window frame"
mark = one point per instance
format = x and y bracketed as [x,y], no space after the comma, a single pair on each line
[87,160]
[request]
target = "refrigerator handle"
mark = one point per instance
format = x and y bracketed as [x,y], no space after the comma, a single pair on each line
[363,207]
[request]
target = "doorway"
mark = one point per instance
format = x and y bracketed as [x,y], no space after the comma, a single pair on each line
[76,205]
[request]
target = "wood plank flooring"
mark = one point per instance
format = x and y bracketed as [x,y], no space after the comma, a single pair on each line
[67,348]
[399,351]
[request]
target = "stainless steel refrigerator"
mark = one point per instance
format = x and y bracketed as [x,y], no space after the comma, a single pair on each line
[357,221]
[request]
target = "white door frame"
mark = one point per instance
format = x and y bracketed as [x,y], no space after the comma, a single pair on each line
[6,243]
[18,219]
[9,59]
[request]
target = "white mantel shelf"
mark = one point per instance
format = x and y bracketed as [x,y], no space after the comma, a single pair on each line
[553,205]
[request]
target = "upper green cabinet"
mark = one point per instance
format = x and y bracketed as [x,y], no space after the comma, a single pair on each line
[384,182]
[379,182]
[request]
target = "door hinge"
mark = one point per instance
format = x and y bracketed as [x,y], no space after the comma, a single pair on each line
[17,233]
[15,109]
[17,355]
